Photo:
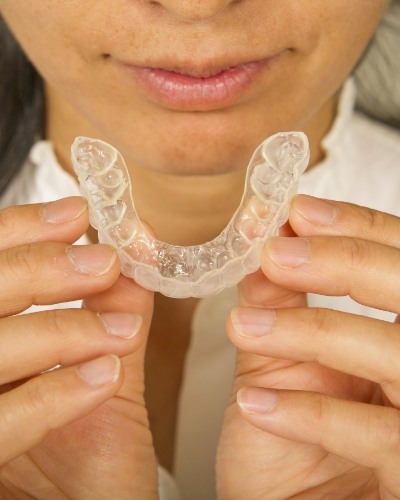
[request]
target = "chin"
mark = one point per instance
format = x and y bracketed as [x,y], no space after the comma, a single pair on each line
[202,154]
[188,144]
[205,163]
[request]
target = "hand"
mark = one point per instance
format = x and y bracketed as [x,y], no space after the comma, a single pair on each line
[318,390]
[79,431]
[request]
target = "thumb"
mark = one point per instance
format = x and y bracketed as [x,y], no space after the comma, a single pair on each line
[124,296]
[127,296]
[256,290]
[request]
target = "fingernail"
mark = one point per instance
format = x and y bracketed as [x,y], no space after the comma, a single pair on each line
[121,324]
[94,260]
[101,371]
[257,400]
[65,210]
[316,210]
[288,252]
[251,322]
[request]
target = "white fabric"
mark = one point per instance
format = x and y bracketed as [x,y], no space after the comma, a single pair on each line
[167,488]
[361,165]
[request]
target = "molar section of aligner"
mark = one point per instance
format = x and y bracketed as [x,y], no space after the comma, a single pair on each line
[94,163]
[257,215]
[111,183]
[92,157]
[288,151]
[274,178]
[287,155]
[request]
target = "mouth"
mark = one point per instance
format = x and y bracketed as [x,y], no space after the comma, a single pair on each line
[200,71]
[201,87]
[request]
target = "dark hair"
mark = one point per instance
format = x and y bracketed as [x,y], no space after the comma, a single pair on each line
[21,104]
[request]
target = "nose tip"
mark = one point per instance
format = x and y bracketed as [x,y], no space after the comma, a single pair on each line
[194,10]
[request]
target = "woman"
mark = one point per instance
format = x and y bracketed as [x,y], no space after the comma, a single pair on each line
[171,84]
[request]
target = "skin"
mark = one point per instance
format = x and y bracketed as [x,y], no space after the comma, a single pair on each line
[320,388]
[88,94]
[91,95]
[36,417]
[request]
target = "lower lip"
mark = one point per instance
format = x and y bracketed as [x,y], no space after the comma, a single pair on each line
[187,93]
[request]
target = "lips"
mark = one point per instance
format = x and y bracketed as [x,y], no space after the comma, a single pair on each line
[201,88]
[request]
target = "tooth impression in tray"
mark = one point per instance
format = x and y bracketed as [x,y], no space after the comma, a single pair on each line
[199,270]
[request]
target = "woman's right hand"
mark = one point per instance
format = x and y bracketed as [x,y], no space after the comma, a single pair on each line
[47,448]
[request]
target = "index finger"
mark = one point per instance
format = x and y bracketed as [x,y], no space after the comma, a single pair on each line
[310,216]
[62,220]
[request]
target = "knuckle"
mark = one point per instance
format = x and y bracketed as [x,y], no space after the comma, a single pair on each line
[320,416]
[318,323]
[386,430]
[374,221]
[41,396]
[71,328]
[318,328]
[24,260]
[355,252]
[56,322]
[7,221]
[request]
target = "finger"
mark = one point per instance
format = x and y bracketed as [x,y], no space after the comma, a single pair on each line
[50,401]
[365,434]
[62,220]
[119,428]
[364,347]
[256,290]
[49,273]
[127,295]
[311,216]
[336,266]
[37,342]
[286,230]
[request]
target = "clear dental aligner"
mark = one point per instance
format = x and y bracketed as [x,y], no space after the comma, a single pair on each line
[199,270]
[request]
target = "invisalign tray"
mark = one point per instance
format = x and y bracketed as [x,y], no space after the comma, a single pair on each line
[199,270]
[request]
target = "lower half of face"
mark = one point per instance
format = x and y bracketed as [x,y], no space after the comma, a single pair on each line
[187,87]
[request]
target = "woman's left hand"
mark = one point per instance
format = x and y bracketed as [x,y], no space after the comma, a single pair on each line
[318,390]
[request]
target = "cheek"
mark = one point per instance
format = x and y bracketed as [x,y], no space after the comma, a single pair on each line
[346,28]
[58,37]
[342,32]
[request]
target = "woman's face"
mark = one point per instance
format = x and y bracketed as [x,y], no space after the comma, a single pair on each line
[191,86]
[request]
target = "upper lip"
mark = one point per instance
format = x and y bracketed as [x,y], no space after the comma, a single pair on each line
[204,69]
